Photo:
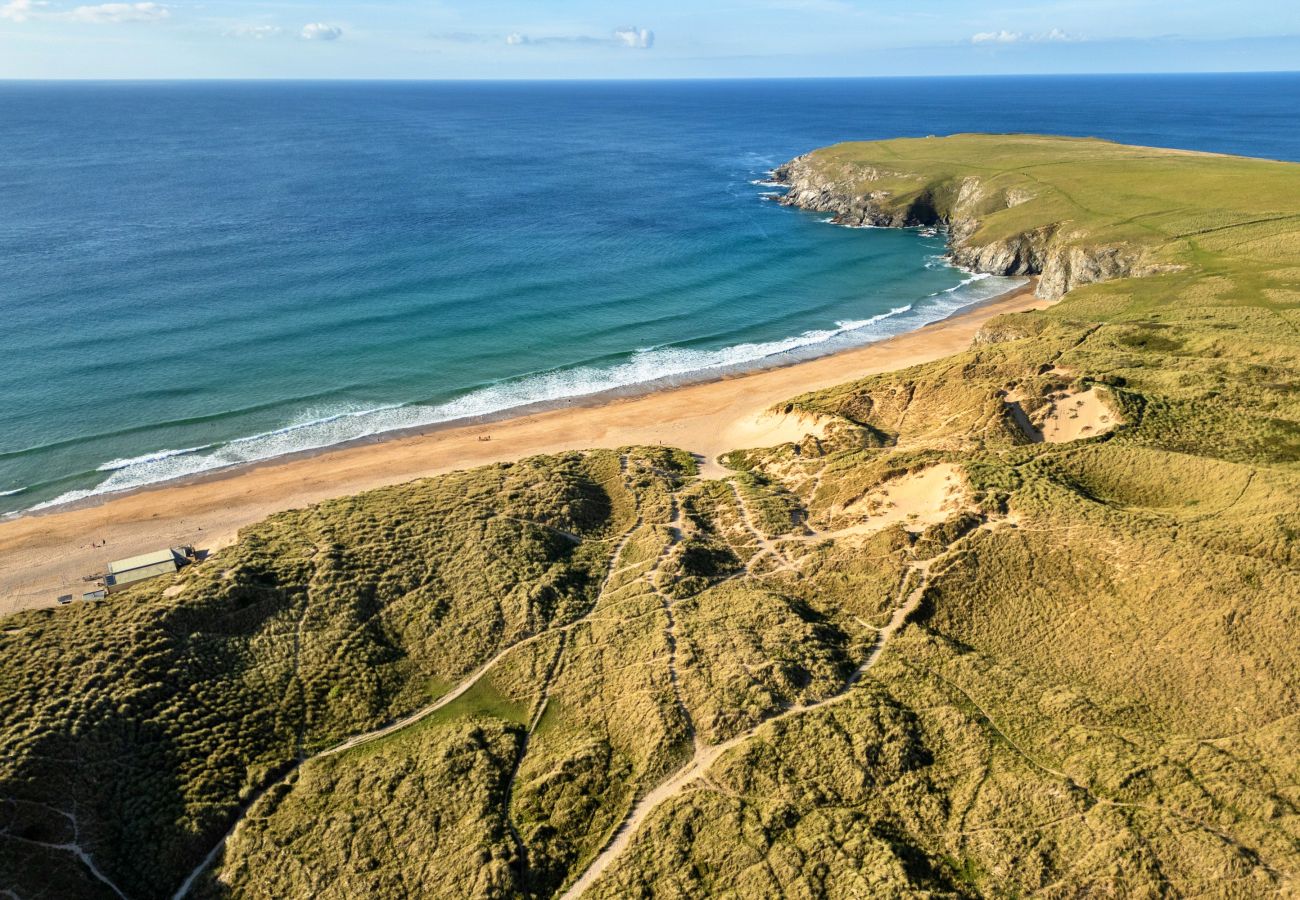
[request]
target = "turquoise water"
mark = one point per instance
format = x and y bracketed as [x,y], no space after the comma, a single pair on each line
[202,275]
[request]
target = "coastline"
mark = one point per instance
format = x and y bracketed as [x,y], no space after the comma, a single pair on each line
[578,384]
[44,554]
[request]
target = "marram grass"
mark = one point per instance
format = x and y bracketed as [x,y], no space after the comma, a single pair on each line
[1095,695]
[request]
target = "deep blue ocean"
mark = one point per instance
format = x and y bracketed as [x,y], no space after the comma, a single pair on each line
[197,275]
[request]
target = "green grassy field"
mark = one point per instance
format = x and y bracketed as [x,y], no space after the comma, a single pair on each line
[1217,226]
[1094,693]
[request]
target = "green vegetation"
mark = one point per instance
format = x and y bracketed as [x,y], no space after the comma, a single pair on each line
[1094,692]
[1094,191]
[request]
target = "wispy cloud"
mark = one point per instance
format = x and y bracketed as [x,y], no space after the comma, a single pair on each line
[97,14]
[995,37]
[1055,35]
[255,32]
[319,31]
[630,36]
[17,10]
[114,13]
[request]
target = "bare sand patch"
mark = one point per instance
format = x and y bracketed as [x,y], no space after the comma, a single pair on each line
[1068,416]
[916,500]
[771,428]
[1078,414]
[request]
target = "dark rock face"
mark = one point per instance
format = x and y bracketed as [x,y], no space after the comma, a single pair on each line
[1048,252]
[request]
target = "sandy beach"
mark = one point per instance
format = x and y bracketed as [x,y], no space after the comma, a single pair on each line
[44,556]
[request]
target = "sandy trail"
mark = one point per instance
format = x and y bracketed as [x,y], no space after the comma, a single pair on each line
[424,712]
[915,501]
[359,741]
[707,754]
[43,556]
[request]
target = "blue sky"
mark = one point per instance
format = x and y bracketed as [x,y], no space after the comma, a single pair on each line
[625,39]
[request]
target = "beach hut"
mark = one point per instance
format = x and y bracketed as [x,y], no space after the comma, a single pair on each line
[125,572]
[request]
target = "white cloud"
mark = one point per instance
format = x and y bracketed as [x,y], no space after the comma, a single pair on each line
[319,31]
[996,37]
[254,32]
[17,10]
[1056,35]
[113,13]
[637,38]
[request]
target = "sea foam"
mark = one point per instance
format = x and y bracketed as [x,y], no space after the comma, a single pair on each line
[114,464]
[315,429]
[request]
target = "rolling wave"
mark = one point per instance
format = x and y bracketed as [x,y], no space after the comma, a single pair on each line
[114,464]
[664,365]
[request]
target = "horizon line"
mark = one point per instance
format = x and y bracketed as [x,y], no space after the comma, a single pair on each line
[632,79]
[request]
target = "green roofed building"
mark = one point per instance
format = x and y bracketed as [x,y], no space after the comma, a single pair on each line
[126,572]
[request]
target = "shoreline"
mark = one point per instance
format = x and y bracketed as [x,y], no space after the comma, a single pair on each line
[669,382]
[44,553]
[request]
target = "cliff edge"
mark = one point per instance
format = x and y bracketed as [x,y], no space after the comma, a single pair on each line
[1032,214]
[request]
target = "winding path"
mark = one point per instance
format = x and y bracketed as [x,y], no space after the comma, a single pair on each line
[76,850]
[424,712]
[688,774]
[73,846]
[706,755]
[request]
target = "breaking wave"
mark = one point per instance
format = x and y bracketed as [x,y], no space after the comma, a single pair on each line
[315,429]
[115,464]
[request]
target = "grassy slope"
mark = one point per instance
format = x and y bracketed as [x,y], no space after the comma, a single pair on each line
[1101,698]
[1102,192]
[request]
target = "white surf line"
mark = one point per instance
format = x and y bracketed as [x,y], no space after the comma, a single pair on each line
[405,722]
[706,756]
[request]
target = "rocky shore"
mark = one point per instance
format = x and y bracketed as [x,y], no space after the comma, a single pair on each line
[1059,254]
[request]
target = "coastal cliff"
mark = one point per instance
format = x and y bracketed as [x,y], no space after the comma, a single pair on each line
[1062,253]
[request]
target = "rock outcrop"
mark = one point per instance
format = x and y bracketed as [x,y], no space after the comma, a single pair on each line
[1061,257]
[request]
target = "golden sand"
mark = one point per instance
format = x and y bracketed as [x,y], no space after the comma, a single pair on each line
[43,556]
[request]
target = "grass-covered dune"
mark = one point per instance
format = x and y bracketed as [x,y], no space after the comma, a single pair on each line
[1022,621]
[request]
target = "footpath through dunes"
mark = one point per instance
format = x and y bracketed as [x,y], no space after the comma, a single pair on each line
[697,767]
[360,740]
[45,556]
[905,646]
[934,483]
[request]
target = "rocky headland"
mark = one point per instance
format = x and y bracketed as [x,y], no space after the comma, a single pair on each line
[864,195]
